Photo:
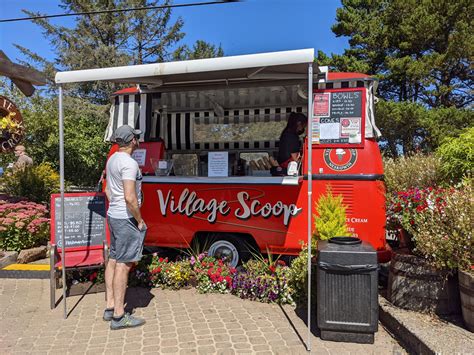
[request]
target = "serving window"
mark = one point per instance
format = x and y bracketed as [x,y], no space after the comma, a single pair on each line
[238,132]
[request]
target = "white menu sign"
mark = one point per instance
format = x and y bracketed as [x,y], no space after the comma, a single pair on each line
[218,164]
[140,156]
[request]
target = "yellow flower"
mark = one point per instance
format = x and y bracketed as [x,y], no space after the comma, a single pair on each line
[7,123]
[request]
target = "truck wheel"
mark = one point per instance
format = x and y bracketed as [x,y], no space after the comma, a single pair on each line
[222,248]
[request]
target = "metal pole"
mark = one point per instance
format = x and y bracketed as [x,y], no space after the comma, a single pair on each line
[61,187]
[309,141]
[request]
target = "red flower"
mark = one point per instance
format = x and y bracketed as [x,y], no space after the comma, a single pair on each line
[272,268]
[221,262]
[220,279]
[233,270]
[281,263]
[160,260]
[228,280]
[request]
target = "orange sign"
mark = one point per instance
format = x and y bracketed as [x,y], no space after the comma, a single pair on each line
[11,125]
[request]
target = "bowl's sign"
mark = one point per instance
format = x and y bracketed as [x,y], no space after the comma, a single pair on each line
[11,125]
[189,203]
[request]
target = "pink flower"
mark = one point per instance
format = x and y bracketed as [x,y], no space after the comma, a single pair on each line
[19,224]
[8,221]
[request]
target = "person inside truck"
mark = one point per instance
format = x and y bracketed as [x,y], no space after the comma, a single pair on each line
[290,144]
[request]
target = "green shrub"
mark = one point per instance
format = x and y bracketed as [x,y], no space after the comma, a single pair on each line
[35,183]
[330,217]
[298,273]
[415,171]
[457,156]
[442,233]
[23,224]
[84,126]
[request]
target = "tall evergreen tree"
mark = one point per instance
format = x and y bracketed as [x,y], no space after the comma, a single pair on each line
[108,39]
[421,49]
[200,50]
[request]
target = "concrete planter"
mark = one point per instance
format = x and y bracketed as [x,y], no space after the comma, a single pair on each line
[415,285]
[466,289]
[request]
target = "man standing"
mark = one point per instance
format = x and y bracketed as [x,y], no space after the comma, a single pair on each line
[23,159]
[126,226]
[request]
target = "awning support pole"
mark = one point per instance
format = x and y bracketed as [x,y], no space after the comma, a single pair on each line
[61,187]
[309,141]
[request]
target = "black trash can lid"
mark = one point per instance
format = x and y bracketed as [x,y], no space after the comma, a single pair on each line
[345,240]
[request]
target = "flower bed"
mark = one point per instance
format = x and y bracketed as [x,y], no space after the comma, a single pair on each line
[23,224]
[261,280]
[439,221]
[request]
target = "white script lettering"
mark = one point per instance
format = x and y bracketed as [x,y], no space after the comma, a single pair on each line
[189,204]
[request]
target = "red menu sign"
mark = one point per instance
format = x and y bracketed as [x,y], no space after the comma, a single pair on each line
[321,105]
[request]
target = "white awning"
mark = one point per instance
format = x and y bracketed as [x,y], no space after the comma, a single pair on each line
[286,65]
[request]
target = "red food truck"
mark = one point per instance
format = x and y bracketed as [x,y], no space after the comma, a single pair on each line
[211,128]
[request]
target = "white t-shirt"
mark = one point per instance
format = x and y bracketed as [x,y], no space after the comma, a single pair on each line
[121,166]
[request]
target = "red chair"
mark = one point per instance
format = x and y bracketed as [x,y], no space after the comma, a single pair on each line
[94,255]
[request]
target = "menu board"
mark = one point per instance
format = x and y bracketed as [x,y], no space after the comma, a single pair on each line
[337,117]
[84,219]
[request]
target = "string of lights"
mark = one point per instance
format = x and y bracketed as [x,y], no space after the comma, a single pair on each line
[118,10]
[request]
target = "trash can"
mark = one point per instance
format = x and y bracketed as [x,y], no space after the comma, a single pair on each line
[347,301]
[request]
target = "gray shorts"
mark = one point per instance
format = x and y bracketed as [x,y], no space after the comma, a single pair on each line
[126,240]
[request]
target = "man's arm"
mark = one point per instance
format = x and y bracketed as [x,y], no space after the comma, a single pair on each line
[132,201]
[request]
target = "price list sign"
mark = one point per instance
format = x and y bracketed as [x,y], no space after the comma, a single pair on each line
[337,117]
[84,219]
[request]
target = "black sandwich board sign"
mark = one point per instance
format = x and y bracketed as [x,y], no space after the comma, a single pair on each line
[85,221]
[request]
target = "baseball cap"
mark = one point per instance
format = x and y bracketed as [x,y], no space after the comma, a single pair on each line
[125,134]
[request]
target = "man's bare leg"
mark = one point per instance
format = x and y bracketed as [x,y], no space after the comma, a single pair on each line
[120,287]
[109,281]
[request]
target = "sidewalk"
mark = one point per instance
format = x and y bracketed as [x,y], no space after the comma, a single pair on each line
[183,322]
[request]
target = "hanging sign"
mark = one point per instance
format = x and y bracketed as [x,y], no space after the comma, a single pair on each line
[11,125]
[337,117]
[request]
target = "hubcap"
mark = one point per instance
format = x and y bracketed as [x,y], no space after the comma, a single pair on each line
[223,249]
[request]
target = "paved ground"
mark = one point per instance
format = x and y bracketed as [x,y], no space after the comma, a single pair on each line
[177,322]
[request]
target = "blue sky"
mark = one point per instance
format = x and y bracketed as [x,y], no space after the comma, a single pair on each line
[252,26]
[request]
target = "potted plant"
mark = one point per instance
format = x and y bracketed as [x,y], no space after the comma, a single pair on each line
[441,228]
[466,289]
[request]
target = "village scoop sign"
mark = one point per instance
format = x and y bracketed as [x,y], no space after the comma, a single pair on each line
[190,203]
[11,125]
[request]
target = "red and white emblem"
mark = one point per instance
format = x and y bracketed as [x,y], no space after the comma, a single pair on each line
[340,159]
